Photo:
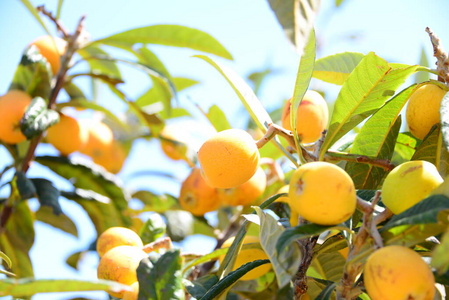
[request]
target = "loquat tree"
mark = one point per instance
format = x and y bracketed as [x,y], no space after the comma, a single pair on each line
[309,201]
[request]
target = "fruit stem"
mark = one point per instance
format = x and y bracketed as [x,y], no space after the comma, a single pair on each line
[332,156]
[441,56]
[164,243]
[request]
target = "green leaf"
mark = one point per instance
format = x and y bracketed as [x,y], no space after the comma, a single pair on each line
[444,120]
[37,118]
[102,213]
[27,287]
[424,212]
[327,292]
[218,118]
[33,75]
[377,139]
[205,258]
[336,68]
[423,61]
[156,203]
[404,148]
[297,18]
[25,186]
[182,83]
[35,14]
[153,228]
[231,278]
[432,149]
[157,98]
[85,175]
[58,10]
[329,265]
[168,35]
[17,239]
[290,235]
[367,88]
[316,286]
[285,262]
[248,99]
[149,59]
[440,259]
[47,194]
[5,258]
[45,214]
[100,61]
[161,279]
[200,286]
[303,77]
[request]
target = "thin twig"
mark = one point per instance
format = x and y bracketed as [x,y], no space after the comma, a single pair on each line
[385,164]
[164,243]
[441,56]
[58,24]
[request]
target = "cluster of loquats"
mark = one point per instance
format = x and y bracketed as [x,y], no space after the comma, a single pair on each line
[120,251]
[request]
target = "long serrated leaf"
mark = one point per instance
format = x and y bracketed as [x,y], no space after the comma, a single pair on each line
[85,175]
[377,139]
[424,212]
[248,99]
[329,265]
[336,68]
[161,279]
[444,120]
[168,35]
[29,286]
[297,18]
[17,239]
[367,88]
[303,77]
[423,61]
[152,229]
[62,222]
[37,118]
[404,148]
[432,149]
[285,262]
[231,278]
[200,286]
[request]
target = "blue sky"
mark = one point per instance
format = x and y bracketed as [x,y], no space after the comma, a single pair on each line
[248,29]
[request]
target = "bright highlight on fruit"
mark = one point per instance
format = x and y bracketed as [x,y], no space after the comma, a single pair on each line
[423,109]
[12,107]
[120,264]
[397,272]
[117,236]
[408,184]
[197,196]
[312,117]
[52,49]
[322,193]
[67,136]
[246,193]
[229,158]
[249,255]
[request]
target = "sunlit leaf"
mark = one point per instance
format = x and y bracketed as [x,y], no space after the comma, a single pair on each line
[152,229]
[432,149]
[32,9]
[329,265]
[367,88]
[218,118]
[182,83]
[299,232]
[168,35]
[285,262]
[17,239]
[404,148]
[444,120]
[423,61]
[440,259]
[377,138]
[100,61]
[336,68]
[297,18]
[303,77]
[45,214]
[29,286]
